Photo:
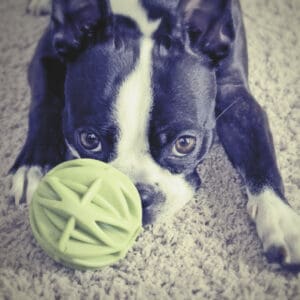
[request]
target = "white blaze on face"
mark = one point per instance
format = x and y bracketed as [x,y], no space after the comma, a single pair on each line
[134,104]
[132,113]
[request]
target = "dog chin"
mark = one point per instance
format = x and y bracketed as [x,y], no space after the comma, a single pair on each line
[163,213]
[148,216]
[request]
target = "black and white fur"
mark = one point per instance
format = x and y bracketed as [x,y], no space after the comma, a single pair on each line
[141,77]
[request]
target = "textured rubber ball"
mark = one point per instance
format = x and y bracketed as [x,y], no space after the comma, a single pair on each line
[86,214]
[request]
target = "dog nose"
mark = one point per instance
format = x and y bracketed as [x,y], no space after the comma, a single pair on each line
[147,194]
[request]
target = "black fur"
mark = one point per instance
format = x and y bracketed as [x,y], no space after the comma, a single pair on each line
[207,89]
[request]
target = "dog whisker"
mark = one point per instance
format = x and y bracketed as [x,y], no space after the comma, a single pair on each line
[225,110]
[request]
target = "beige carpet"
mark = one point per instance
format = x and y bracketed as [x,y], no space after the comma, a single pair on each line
[210,250]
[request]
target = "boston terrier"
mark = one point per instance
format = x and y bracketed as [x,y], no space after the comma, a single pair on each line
[143,85]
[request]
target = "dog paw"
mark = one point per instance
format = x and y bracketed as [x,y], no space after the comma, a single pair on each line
[278,227]
[39,7]
[24,183]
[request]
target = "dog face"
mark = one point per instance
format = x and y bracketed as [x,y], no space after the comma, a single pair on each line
[142,101]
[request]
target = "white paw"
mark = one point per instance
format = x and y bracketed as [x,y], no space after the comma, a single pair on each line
[278,227]
[39,7]
[25,182]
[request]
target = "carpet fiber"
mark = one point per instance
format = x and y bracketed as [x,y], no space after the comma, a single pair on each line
[210,250]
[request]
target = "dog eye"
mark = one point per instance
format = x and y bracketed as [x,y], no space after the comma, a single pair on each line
[90,141]
[184,145]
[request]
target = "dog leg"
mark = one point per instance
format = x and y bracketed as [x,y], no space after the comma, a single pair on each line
[216,28]
[244,132]
[44,146]
[277,226]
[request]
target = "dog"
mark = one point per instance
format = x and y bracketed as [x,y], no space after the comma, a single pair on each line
[144,86]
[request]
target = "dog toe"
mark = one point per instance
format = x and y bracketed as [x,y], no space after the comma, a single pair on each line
[24,183]
[39,7]
[34,176]
[18,185]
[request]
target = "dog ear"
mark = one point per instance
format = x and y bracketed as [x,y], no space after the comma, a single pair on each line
[209,24]
[105,8]
[74,22]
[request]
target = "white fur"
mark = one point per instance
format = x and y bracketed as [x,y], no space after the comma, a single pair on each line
[134,104]
[134,10]
[25,182]
[277,224]
[34,176]
[141,168]
[18,184]
[132,112]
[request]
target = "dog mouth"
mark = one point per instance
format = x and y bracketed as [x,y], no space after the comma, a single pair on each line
[151,199]
[153,214]
[161,208]
[148,217]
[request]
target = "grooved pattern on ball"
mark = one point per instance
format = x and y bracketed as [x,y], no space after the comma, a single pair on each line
[86,214]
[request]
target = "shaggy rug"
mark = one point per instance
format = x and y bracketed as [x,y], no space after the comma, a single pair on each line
[210,250]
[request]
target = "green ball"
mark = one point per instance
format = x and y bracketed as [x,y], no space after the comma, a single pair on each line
[86,214]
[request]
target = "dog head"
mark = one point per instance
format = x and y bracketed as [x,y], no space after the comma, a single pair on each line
[142,99]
